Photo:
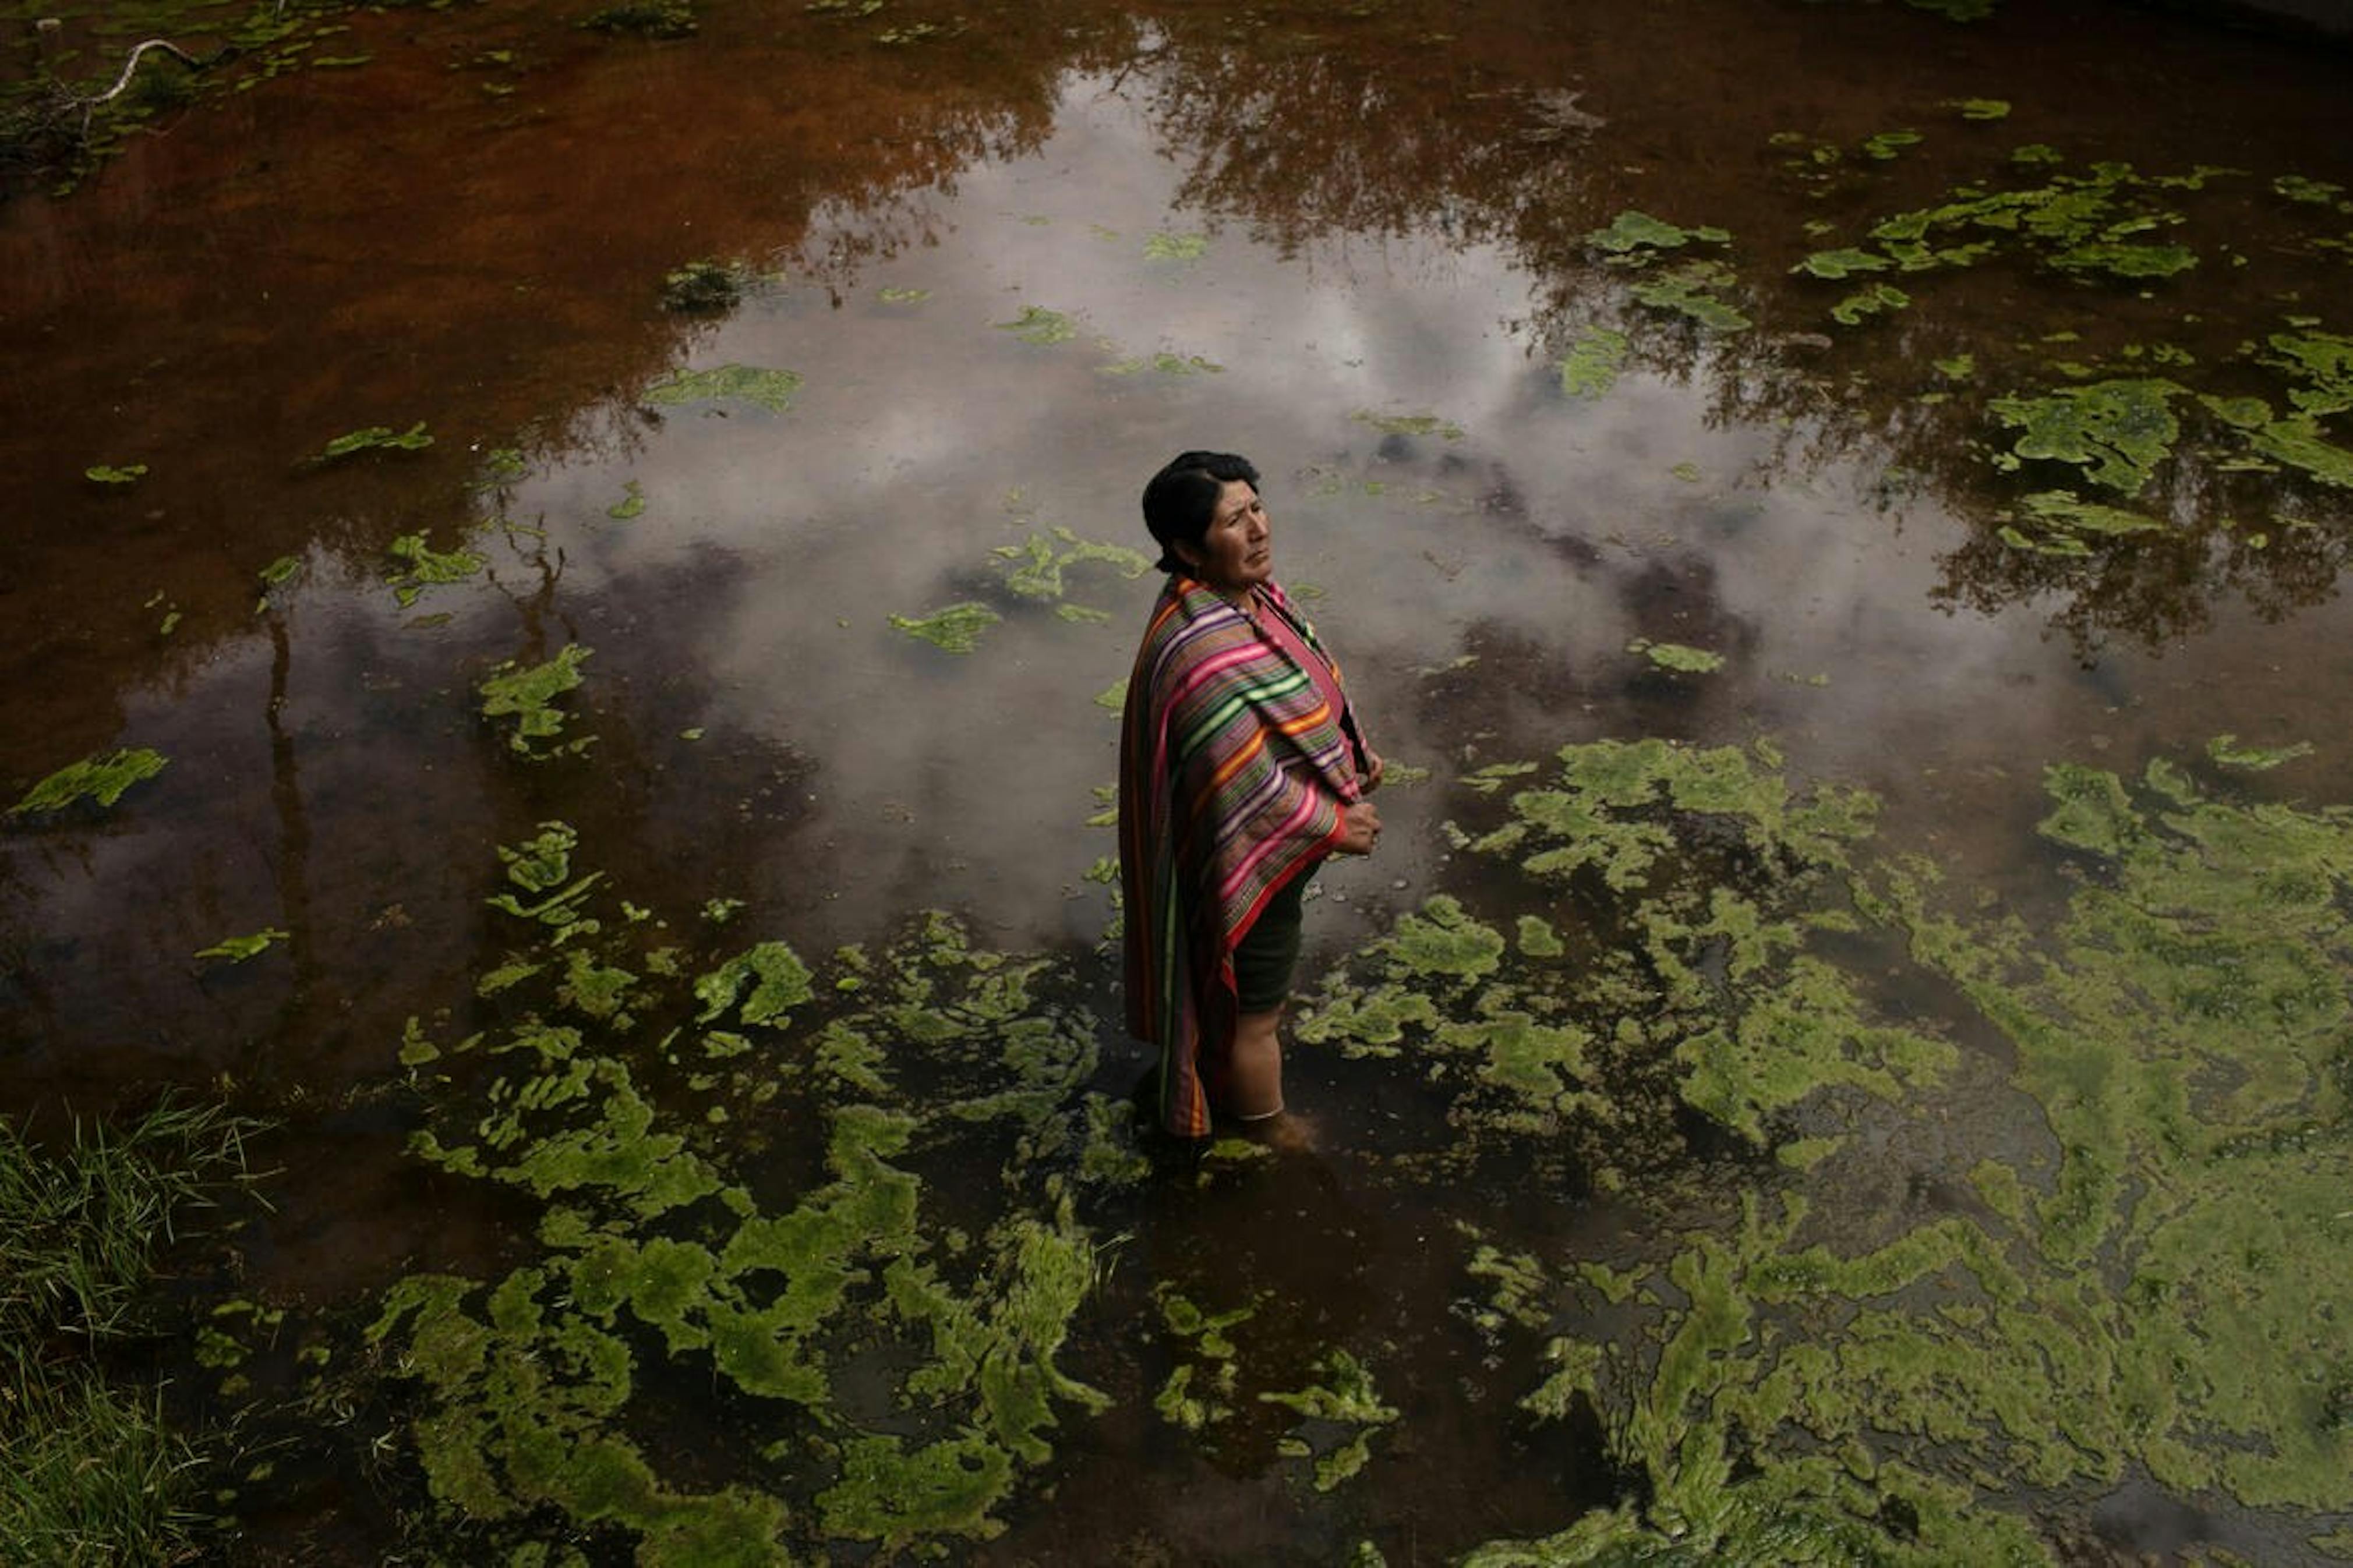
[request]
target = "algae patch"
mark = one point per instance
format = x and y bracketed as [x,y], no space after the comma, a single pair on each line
[954,630]
[893,1351]
[1678,656]
[769,388]
[525,695]
[1035,324]
[1590,367]
[100,779]
[2116,432]
[1034,569]
[238,949]
[375,438]
[422,568]
[2147,1289]
[1704,879]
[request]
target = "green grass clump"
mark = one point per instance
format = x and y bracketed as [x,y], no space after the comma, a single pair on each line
[91,1473]
[91,1476]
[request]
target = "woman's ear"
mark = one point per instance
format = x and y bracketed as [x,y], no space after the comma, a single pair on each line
[1186,553]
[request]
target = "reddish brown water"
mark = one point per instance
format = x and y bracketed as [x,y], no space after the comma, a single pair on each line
[1393,206]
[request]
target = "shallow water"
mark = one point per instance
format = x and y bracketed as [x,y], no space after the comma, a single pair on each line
[1359,241]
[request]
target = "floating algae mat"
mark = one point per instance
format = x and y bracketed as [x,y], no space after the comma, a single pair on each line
[2148,1284]
[675,1281]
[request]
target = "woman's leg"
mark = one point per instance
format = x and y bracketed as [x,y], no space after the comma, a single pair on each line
[1255,1086]
[1264,962]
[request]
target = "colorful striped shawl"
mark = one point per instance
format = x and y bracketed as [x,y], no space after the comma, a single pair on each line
[1233,771]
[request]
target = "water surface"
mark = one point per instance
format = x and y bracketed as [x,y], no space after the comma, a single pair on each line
[1356,245]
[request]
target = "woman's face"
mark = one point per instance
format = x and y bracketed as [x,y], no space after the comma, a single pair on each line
[1238,549]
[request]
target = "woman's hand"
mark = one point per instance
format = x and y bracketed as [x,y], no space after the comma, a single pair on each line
[1372,779]
[1360,828]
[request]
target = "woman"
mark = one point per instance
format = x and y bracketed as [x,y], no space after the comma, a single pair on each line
[1241,769]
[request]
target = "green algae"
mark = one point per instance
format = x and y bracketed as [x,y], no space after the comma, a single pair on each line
[2084,225]
[2225,750]
[1035,324]
[274,576]
[632,504]
[2319,367]
[1703,985]
[2116,432]
[1537,938]
[1691,290]
[2066,524]
[2301,188]
[1876,299]
[761,985]
[1635,236]
[892,1495]
[1590,367]
[1677,656]
[1489,779]
[2298,442]
[2121,260]
[101,779]
[662,1256]
[422,568]
[1165,363]
[1410,423]
[525,695]
[1841,263]
[1164,245]
[1034,569]
[1884,146]
[2147,1294]
[954,630]
[770,388]
[1980,107]
[121,477]
[1348,1398]
[375,438]
[238,949]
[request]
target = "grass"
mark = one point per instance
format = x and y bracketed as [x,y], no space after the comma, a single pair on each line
[91,1473]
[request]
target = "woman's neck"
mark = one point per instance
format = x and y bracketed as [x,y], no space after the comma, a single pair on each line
[1242,596]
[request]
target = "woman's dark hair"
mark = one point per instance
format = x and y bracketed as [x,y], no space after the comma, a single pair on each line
[1182,498]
